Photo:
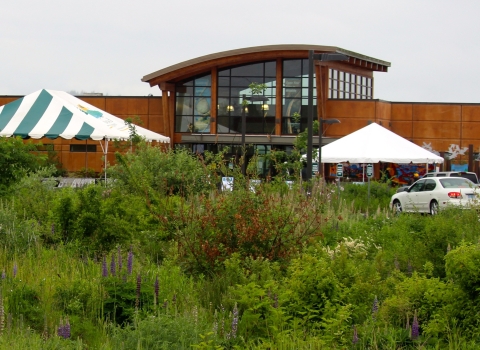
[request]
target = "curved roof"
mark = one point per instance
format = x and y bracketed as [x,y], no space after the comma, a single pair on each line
[210,60]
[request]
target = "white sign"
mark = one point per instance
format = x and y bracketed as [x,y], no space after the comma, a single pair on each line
[369,170]
[339,170]
[227,183]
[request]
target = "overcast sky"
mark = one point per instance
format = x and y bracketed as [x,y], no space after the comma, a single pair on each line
[108,46]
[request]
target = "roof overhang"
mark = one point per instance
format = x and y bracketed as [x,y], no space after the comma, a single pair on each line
[251,54]
[249,139]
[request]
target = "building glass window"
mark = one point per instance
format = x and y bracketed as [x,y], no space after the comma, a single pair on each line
[345,85]
[295,96]
[192,105]
[83,148]
[233,83]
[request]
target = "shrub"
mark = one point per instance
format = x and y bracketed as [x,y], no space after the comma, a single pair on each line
[151,171]
[162,331]
[17,159]
[257,224]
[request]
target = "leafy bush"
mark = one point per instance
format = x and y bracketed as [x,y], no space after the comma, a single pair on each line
[24,304]
[162,331]
[256,224]
[151,171]
[17,234]
[16,160]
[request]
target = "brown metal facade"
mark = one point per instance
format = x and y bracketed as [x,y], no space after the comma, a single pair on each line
[435,125]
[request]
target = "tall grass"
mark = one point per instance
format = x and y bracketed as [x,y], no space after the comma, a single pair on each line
[360,249]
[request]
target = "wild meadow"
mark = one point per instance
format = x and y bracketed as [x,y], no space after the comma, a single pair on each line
[159,257]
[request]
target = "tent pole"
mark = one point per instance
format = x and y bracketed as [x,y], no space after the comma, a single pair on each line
[106,151]
[86,159]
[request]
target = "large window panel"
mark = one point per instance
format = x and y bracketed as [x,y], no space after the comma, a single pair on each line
[292,68]
[271,69]
[245,81]
[345,85]
[203,81]
[259,115]
[184,105]
[295,96]
[193,105]
[254,70]
[224,81]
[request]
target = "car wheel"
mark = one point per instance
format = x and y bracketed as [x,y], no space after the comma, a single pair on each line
[397,206]
[433,207]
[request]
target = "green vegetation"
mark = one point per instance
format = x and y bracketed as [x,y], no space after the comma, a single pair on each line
[161,258]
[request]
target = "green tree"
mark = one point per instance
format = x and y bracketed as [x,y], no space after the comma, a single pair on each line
[16,160]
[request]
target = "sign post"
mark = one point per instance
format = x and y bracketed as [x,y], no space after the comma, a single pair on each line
[339,175]
[369,170]
[369,175]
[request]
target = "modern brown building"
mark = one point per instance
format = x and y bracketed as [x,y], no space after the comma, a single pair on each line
[344,90]
[202,104]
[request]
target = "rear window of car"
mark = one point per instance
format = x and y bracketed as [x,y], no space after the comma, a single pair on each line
[470,176]
[457,182]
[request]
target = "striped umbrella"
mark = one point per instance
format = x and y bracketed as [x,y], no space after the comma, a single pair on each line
[52,114]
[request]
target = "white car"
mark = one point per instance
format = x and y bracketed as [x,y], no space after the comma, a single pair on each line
[428,195]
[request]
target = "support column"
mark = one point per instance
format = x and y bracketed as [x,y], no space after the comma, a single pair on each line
[166,116]
[278,97]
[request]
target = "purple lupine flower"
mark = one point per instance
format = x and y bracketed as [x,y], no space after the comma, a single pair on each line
[104,267]
[234,322]
[130,262]
[4,275]
[66,330]
[156,287]
[113,265]
[375,307]
[415,329]
[120,264]
[15,269]
[60,330]
[355,335]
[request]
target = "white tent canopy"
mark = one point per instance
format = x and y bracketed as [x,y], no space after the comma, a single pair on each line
[52,114]
[373,144]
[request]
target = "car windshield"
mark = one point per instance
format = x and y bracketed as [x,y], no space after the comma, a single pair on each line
[470,176]
[457,183]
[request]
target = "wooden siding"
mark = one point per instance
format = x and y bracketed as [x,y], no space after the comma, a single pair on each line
[435,124]
[439,125]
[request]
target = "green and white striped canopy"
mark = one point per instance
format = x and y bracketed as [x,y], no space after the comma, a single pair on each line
[52,114]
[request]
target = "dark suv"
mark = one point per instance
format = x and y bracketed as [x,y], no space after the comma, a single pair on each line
[466,174]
